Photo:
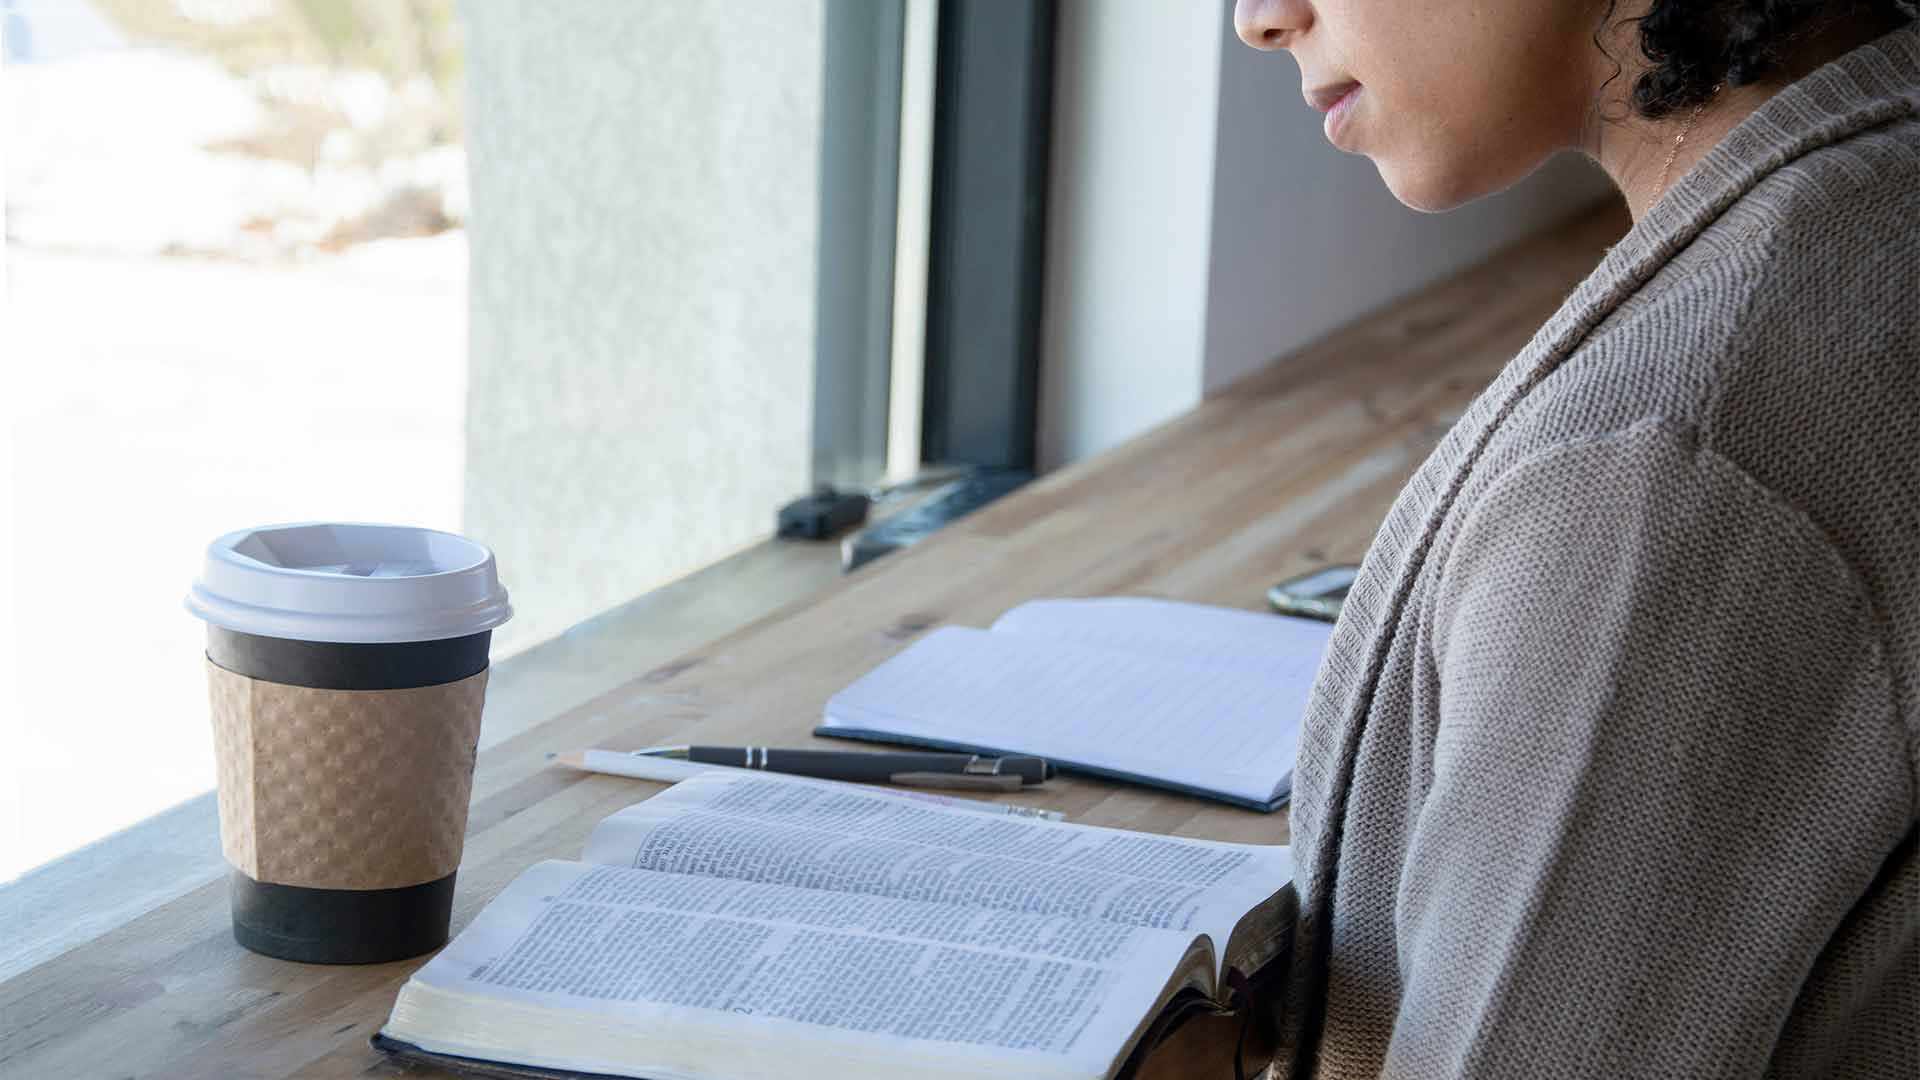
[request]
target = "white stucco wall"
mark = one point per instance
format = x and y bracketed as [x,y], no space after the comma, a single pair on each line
[645,202]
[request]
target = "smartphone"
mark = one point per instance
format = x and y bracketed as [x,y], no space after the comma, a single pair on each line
[1317,595]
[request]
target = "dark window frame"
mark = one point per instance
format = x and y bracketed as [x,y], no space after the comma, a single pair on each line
[993,98]
[987,248]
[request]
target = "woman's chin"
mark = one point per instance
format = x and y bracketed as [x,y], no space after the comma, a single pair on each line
[1435,190]
[1429,191]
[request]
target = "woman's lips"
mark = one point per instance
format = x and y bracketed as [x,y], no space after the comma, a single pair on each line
[1337,102]
[1326,97]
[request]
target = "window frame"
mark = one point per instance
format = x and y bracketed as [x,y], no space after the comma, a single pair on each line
[975,348]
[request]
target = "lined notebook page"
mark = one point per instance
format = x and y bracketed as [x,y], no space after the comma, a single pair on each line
[1198,707]
[1287,647]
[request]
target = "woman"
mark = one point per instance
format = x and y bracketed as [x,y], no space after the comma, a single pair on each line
[1612,766]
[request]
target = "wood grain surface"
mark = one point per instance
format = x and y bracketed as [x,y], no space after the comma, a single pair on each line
[1286,470]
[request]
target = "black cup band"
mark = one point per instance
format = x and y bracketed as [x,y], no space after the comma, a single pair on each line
[340,926]
[326,665]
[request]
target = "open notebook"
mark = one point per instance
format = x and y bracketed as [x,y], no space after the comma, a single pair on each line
[754,927]
[1198,699]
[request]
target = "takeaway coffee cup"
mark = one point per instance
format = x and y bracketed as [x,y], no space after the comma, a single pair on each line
[346,666]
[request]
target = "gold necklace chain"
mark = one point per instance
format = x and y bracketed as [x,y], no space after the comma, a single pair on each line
[1674,150]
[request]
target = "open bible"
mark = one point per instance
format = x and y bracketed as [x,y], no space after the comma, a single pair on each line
[749,925]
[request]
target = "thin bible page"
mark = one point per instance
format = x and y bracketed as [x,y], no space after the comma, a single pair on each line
[770,829]
[688,958]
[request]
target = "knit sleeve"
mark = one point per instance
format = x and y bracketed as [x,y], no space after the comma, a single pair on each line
[1668,763]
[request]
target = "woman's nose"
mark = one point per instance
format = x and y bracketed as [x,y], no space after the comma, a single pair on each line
[1271,24]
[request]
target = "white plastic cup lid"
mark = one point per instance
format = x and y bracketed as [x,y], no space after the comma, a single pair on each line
[350,583]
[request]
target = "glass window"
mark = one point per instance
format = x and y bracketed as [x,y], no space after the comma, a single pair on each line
[544,274]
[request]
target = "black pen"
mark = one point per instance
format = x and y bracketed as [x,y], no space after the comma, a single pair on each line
[914,768]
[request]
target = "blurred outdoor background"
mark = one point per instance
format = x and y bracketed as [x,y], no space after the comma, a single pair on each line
[239,292]
[236,273]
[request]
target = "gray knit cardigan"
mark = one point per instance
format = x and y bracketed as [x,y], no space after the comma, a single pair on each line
[1611,767]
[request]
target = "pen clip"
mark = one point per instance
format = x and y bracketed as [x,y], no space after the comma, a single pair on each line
[958,781]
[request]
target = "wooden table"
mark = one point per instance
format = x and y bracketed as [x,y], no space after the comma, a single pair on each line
[1286,470]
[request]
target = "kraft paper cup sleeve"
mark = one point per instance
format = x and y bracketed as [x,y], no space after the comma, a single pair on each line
[344,789]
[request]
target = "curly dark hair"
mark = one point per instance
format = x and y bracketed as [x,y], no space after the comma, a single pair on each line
[1696,45]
